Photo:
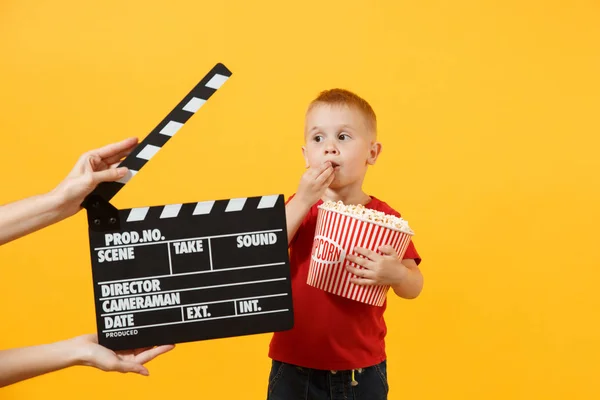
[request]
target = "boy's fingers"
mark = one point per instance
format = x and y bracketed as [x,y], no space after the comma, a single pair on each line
[363,262]
[322,168]
[367,253]
[388,251]
[326,173]
[363,282]
[361,273]
[330,179]
[315,172]
[326,166]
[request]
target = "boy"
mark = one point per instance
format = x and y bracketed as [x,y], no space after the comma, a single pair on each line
[336,349]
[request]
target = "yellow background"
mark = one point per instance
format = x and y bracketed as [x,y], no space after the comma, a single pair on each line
[488,112]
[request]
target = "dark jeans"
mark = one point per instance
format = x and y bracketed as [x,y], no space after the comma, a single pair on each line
[290,382]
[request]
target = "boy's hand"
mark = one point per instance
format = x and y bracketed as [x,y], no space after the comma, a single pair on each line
[314,182]
[384,269]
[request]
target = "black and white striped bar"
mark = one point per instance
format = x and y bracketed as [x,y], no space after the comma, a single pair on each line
[168,127]
[194,271]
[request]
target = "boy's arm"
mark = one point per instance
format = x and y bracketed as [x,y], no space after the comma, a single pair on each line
[20,364]
[295,211]
[412,283]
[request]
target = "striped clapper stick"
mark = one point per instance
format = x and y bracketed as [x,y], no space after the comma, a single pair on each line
[168,127]
[186,272]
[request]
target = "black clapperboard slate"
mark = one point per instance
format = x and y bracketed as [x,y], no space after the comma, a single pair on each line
[186,272]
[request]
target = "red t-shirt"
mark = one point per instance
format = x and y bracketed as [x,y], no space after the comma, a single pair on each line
[330,332]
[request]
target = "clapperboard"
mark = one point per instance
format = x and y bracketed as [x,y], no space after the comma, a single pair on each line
[187,272]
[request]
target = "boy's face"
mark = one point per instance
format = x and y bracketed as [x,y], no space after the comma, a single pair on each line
[341,135]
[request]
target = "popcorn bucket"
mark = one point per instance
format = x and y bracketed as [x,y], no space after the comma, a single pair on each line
[336,235]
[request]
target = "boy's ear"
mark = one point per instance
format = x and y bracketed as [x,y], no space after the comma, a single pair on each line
[305,157]
[374,152]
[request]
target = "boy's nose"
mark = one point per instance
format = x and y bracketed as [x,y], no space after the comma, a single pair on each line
[331,149]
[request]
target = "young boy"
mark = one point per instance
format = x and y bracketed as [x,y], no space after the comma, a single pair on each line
[336,349]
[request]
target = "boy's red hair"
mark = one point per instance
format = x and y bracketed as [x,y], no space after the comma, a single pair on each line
[343,97]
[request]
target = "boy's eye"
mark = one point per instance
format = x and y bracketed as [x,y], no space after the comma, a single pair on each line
[318,138]
[343,136]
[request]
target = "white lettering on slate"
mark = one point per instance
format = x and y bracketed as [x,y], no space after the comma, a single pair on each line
[133,237]
[256,239]
[134,287]
[196,312]
[189,246]
[122,253]
[118,321]
[248,306]
[129,332]
[141,302]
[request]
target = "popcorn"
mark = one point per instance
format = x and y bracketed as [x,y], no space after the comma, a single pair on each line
[367,214]
[340,228]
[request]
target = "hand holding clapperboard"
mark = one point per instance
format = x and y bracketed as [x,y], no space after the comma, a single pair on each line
[187,272]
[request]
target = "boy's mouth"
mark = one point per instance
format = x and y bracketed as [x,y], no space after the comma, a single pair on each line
[334,164]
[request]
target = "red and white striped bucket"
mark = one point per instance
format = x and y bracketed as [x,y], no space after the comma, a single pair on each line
[336,235]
